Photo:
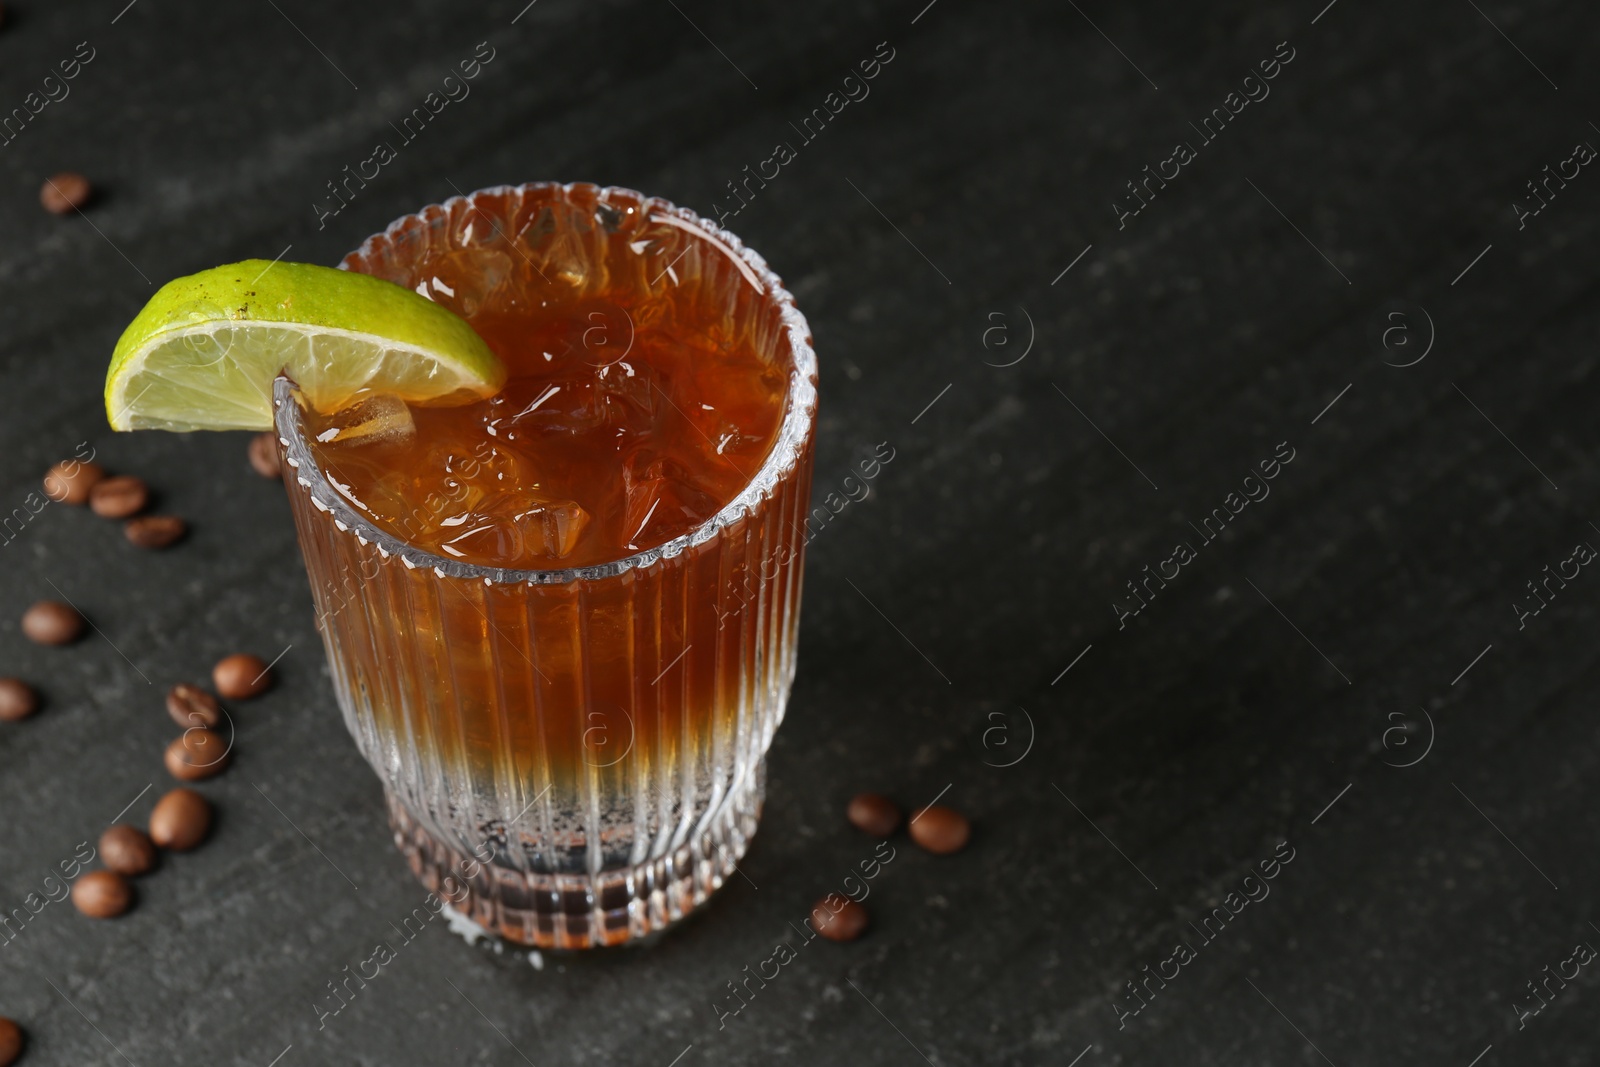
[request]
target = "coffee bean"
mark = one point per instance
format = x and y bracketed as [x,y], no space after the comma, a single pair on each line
[119,497]
[17,699]
[839,918]
[940,830]
[10,1042]
[102,894]
[155,531]
[127,850]
[180,820]
[264,455]
[199,753]
[50,622]
[873,814]
[189,705]
[64,193]
[241,676]
[69,481]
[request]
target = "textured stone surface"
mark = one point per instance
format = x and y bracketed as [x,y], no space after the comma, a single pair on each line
[986,560]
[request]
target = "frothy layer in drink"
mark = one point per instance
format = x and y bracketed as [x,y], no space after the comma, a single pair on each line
[636,408]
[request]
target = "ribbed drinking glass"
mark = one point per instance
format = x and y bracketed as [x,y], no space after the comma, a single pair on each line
[573,757]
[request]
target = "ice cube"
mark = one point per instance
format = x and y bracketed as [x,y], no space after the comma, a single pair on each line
[623,396]
[384,497]
[549,405]
[516,529]
[461,476]
[481,465]
[632,395]
[488,539]
[551,528]
[374,419]
[663,500]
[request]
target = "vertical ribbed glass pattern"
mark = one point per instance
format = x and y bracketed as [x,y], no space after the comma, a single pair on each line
[575,757]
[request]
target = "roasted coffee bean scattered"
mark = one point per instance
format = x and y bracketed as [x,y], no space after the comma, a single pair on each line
[264,455]
[155,531]
[102,894]
[199,753]
[940,830]
[873,813]
[17,699]
[241,676]
[189,705]
[69,481]
[839,918]
[64,193]
[119,497]
[50,622]
[181,820]
[10,1042]
[127,850]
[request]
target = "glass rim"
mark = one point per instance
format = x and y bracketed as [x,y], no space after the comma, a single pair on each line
[781,461]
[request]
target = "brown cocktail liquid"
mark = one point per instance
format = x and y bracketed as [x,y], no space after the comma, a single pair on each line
[628,419]
[597,729]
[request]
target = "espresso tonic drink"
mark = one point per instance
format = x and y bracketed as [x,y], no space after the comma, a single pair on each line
[561,620]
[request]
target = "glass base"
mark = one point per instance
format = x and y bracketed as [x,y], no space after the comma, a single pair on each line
[571,911]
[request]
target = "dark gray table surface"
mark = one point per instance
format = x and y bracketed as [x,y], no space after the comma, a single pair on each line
[961,634]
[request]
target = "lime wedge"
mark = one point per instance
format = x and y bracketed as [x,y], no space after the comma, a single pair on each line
[203,353]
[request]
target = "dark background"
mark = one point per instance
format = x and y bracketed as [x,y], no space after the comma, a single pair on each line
[940,613]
